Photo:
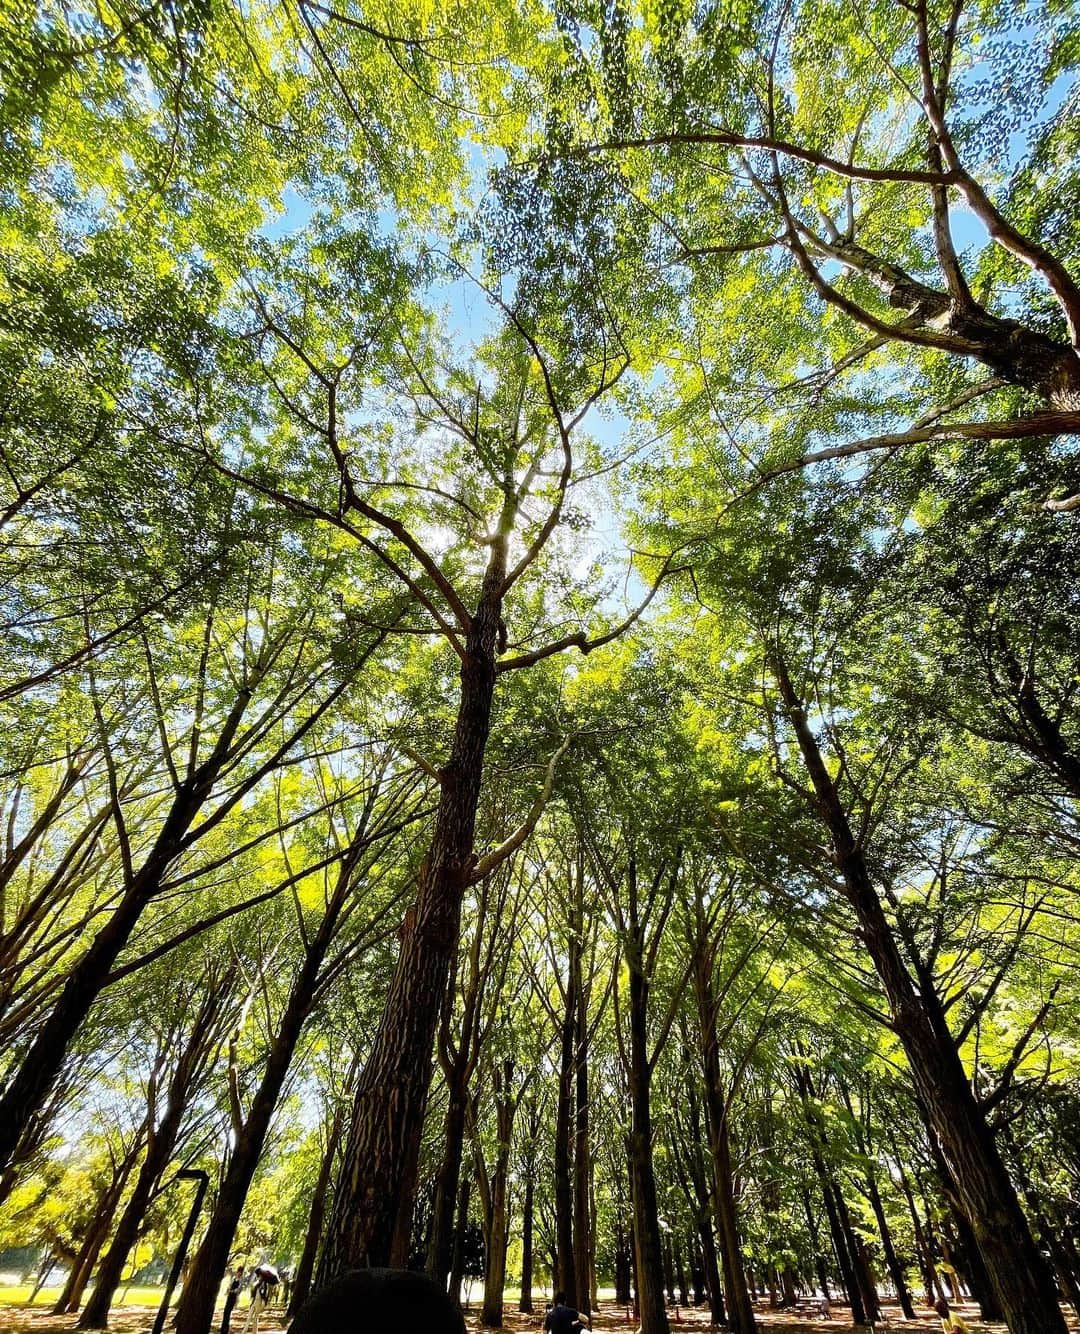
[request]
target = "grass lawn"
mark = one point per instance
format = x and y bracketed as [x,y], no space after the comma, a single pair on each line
[19,1294]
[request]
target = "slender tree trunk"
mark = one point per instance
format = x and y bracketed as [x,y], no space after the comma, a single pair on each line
[525,1300]
[740,1311]
[844,1260]
[711,1264]
[892,1261]
[565,1275]
[697,1269]
[680,1270]
[441,1245]
[161,1141]
[159,1151]
[457,1264]
[819,1259]
[305,1270]
[71,1295]
[931,1287]
[195,1310]
[582,1235]
[647,1242]
[498,1223]
[622,1266]
[1016,1268]
[29,1086]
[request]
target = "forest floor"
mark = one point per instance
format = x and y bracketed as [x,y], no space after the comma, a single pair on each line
[20,1319]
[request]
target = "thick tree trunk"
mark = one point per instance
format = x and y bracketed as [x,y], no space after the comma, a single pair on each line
[1020,1276]
[391,1097]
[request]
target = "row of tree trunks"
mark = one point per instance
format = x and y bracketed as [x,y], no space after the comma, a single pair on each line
[97,1234]
[29,1086]
[196,1306]
[161,1141]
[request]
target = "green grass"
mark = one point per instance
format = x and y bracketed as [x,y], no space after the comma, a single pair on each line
[17,1294]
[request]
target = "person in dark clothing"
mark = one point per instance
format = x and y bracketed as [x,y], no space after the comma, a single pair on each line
[231,1298]
[563,1319]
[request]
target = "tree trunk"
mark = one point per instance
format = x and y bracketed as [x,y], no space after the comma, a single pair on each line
[457,1263]
[305,1270]
[647,1242]
[623,1295]
[498,1223]
[391,1096]
[1018,1273]
[195,1310]
[565,1275]
[525,1300]
[582,1232]
[71,1295]
[680,1270]
[740,1312]
[28,1088]
[441,1244]
[161,1140]
[896,1272]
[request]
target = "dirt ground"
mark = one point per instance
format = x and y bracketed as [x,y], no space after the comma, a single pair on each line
[139,1319]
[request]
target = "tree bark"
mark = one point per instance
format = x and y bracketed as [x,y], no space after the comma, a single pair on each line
[498,1224]
[892,1261]
[195,1309]
[582,1232]
[565,1276]
[525,1300]
[740,1311]
[161,1140]
[1016,1268]
[647,1243]
[391,1097]
[457,1264]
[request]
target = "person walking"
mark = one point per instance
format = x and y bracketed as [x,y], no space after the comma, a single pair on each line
[232,1296]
